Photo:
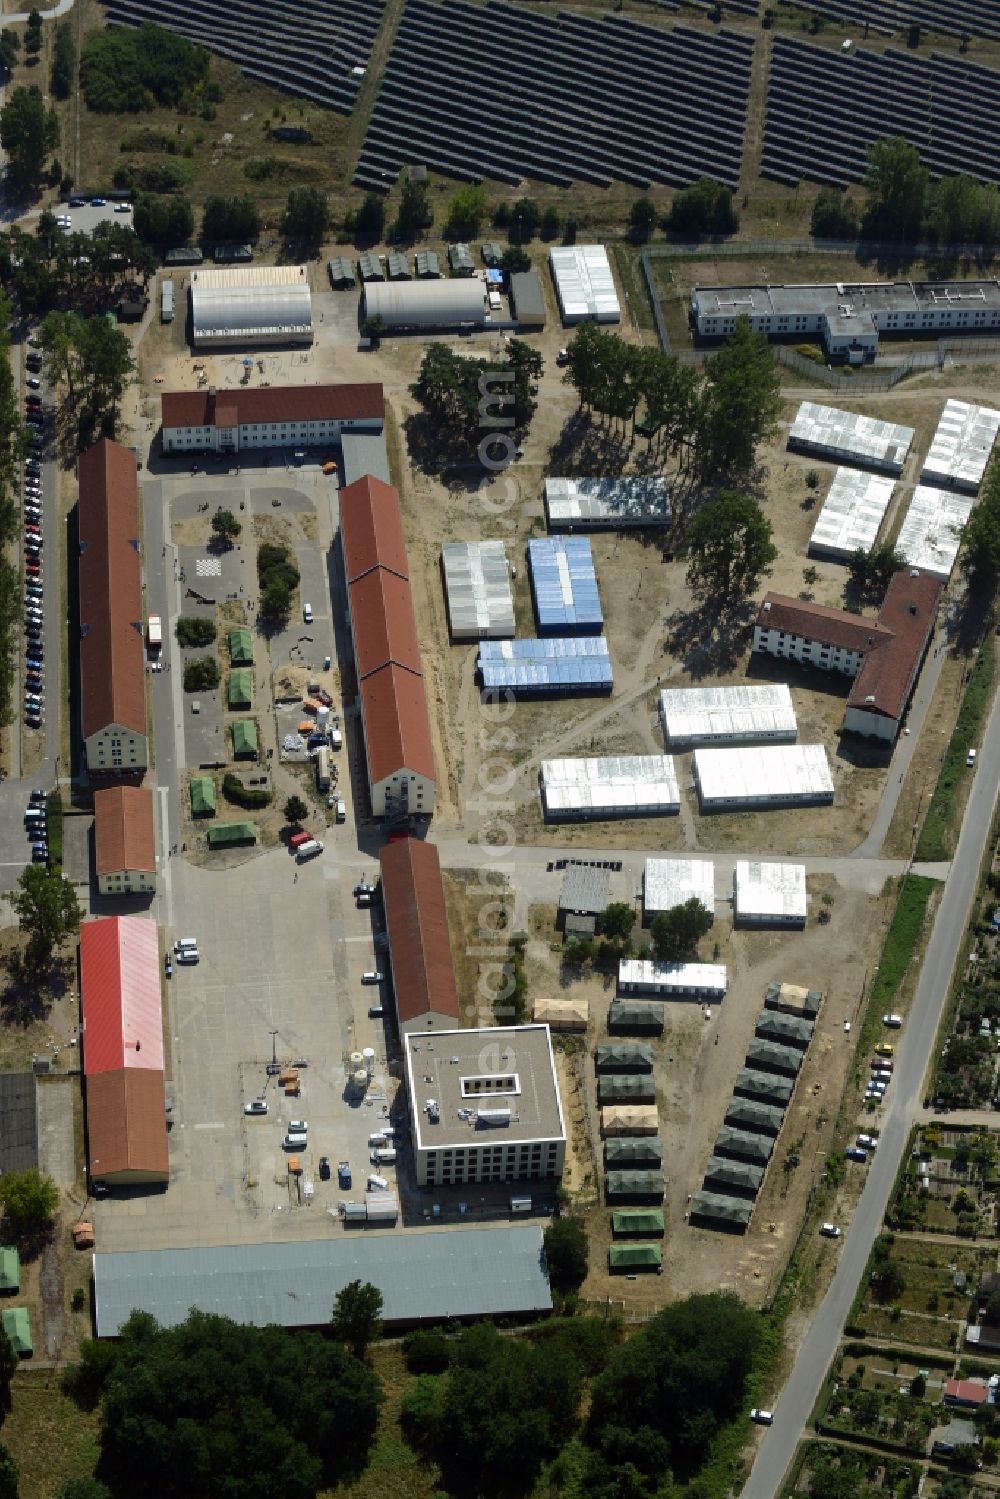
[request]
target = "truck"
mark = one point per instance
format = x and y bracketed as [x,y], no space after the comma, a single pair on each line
[154,632]
[344,1177]
[384,1155]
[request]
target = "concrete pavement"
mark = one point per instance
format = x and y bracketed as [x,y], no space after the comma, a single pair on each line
[914,1049]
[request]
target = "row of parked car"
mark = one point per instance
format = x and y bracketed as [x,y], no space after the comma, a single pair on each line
[36,825]
[33,540]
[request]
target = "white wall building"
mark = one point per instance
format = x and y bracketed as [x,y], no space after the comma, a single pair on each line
[852,514]
[767,894]
[585,286]
[477,586]
[931,533]
[613,786]
[484,1106]
[961,446]
[283,416]
[632,501]
[672,980]
[727,715]
[670,882]
[763,775]
[846,437]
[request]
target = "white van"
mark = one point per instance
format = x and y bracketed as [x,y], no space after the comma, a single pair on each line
[307,613]
[341,810]
[385,1156]
[308,850]
[295,1142]
[188,955]
[183,943]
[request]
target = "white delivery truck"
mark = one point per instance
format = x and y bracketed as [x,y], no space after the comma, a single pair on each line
[154,633]
[308,850]
[384,1155]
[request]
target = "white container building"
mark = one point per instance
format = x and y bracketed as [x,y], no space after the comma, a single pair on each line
[672,980]
[613,786]
[852,514]
[846,437]
[766,894]
[632,502]
[477,586]
[961,446]
[931,533]
[670,882]
[585,286]
[727,715]
[770,775]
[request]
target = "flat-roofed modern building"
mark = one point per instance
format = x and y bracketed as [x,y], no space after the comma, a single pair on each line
[478,591]
[852,514]
[672,980]
[631,502]
[846,437]
[961,446]
[769,894]
[254,307]
[607,787]
[124,840]
[931,533]
[280,416]
[484,1106]
[763,775]
[670,882]
[849,316]
[744,714]
[585,286]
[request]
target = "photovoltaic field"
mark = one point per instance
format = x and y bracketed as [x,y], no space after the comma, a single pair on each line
[950,17]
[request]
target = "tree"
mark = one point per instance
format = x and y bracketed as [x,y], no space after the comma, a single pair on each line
[963,211]
[104,356]
[370,218]
[10,46]
[84,1488]
[63,61]
[164,221]
[33,34]
[229,221]
[201,675]
[10,1474]
[357,1315]
[466,212]
[8,1366]
[415,213]
[24,135]
[124,70]
[676,933]
[550,222]
[295,811]
[834,215]
[514,259]
[730,547]
[215,1408]
[890,1281]
[29,1202]
[617,920]
[739,406]
[307,216]
[566,1253]
[981,536]
[897,183]
[642,219]
[706,207]
[225,526]
[525,221]
[275,602]
[872,572]
[427,1351]
[47,910]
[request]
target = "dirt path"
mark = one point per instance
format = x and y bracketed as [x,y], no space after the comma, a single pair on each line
[50,1283]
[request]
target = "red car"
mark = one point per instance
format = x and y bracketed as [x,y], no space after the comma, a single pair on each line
[32,566]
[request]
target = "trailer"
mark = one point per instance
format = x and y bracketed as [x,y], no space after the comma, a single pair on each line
[154,633]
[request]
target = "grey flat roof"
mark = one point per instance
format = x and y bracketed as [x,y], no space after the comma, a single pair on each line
[585,889]
[426,1275]
[19,1135]
[364,453]
[876,297]
[473,1075]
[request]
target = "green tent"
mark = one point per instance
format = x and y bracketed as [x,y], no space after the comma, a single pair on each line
[10,1269]
[634,1257]
[240,647]
[17,1326]
[240,691]
[202,796]
[245,743]
[226,833]
[628,1221]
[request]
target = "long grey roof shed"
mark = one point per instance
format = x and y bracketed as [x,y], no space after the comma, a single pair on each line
[770,1056]
[787,1030]
[642,1152]
[716,1210]
[761,1118]
[624,1056]
[768,1087]
[743,1146]
[636,1016]
[528,299]
[738,1177]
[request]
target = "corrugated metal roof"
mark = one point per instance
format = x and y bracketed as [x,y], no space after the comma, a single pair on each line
[455,302]
[477,586]
[124,834]
[527,296]
[416,919]
[564,584]
[643,975]
[371,528]
[586,890]
[852,513]
[961,446]
[609,786]
[607,504]
[127,1125]
[427,263]
[745,713]
[120,994]
[670,882]
[423,1276]
[550,667]
[931,533]
[766,774]
[460,257]
[862,440]
[113,684]
[241,304]
[361,454]
[765,891]
[584,283]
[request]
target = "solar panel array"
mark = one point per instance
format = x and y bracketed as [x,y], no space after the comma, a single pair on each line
[945,106]
[305,49]
[951,17]
[564,584]
[497,91]
[558,667]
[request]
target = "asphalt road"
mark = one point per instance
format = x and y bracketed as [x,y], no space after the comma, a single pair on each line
[904,1104]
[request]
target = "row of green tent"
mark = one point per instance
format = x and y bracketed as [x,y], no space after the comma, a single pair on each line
[628,1223]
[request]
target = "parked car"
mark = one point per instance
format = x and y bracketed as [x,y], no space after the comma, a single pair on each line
[830,1231]
[855,1153]
[883,1049]
[371,976]
[168,965]
[363,889]
[256,1106]
[970,758]
[37,858]
[33,382]
[892,1021]
[324,1168]
[123,208]
[762,1417]
[98,202]
[298,1126]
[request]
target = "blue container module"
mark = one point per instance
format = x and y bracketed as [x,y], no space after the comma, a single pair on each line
[568,667]
[564,585]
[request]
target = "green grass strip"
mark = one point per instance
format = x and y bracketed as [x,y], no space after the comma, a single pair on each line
[937,836]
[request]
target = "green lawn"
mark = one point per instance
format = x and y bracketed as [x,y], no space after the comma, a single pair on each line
[937,836]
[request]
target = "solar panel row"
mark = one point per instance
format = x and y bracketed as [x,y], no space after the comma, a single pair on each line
[951,17]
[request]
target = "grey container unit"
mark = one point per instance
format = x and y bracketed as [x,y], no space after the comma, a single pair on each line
[427,264]
[743,1146]
[492,252]
[639,1152]
[769,1056]
[624,1056]
[738,1177]
[460,260]
[765,1087]
[399,266]
[340,271]
[369,267]
[618,1088]
[761,1118]
[787,1030]
[625,1015]
[717,1210]
[644,1186]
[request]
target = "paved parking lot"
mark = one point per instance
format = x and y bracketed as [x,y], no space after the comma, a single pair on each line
[282,950]
[85,220]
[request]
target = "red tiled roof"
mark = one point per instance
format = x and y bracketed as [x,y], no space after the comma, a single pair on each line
[384,627]
[816,622]
[111,651]
[416,920]
[120,994]
[127,1125]
[397,728]
[909,609]
[371,528]
[965,1391]
[280,403]
[123,830]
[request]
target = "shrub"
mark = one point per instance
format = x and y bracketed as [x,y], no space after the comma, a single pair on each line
[54,826]
[192,630]
[426,1351]
[234,791]
[201,675]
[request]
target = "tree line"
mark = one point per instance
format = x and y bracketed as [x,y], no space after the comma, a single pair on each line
[51,269]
